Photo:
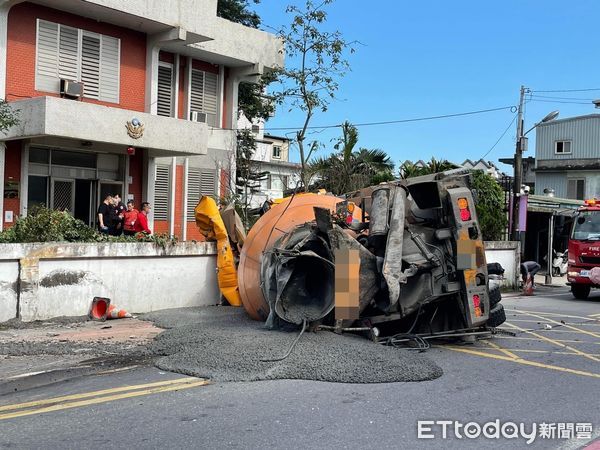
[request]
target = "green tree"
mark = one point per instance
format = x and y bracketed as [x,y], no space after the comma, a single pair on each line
[348,170]
[8,117]
[316,59]
[490,197]
[489,205]
[238,11]
[248,174]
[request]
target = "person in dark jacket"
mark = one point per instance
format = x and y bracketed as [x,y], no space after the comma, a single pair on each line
[105,215]
[118,214]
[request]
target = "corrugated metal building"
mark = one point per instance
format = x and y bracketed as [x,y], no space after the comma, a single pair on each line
[567,154]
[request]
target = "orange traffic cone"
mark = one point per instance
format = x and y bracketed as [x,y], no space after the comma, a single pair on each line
[99,308]
[528,287]
[114,313]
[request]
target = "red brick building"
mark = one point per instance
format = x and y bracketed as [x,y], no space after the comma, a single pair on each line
[137,99]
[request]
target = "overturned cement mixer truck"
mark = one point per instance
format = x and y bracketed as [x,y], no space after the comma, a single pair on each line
[421,262]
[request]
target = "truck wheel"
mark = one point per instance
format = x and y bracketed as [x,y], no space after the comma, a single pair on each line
[495,296]
[580,291]
[497,316]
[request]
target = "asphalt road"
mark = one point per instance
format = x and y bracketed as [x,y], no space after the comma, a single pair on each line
[548,371]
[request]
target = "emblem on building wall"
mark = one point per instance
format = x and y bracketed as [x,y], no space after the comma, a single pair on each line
[135,128]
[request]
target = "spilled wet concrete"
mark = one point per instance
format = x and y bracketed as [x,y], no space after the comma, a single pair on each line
[223,344]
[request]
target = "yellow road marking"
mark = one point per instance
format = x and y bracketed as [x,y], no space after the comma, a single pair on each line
[521,350]
[595,315]
[500,349]
[596,335]
[49,401]
[555,342]
[508,311]
[591,321]
[524,362]
[110,398]
[534,339]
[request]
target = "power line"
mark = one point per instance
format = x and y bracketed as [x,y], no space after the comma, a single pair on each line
[501,136]
[569,90]
[390,122]
[561,98]
[560,101]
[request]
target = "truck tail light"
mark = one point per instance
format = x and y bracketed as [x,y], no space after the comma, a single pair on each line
[463,206]
[477,305]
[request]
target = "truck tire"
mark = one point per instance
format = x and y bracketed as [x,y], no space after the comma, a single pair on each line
[497,316]
[580,291]
[495,296]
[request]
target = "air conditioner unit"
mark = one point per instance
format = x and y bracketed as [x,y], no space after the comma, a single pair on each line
[71,89]
[197,116]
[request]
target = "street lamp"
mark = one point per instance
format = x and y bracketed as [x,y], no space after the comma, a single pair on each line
[518,161]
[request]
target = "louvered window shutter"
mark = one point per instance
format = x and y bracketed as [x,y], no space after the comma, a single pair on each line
[109,69]
[161,192]
[47,57]
[203,95]
[68,53]
[164,103]
[90,66]
[193,194]
[200,182]
[72,54]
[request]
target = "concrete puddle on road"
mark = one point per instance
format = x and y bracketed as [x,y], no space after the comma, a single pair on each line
[551,341]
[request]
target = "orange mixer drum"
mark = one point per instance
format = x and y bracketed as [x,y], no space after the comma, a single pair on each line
[279,220]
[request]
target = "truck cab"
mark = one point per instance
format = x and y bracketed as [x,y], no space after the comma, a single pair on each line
[584,249]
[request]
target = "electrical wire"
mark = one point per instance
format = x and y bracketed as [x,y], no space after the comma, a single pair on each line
[387,122]
[501,136]
[569,90]
[559,101]
[561,98]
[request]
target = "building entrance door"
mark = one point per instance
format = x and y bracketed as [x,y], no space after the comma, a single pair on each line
[83,201]
[62,194]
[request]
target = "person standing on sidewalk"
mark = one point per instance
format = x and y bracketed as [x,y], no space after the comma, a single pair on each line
[129,219]
[104,215]
[119,213]
[141,224]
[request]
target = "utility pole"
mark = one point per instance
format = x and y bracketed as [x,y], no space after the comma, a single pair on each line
[518,164]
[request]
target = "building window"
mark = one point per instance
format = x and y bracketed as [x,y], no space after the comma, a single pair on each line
[73,54]
[576,189]
[162,187]
[562,147]
[277,151]
[203,97]
[200,182]
[164,100]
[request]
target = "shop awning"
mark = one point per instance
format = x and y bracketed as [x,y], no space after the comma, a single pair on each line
[557,206]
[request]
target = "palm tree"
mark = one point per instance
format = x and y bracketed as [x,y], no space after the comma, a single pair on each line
[409,169]
[349,170]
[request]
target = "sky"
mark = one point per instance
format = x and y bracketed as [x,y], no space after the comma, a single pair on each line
[434,57]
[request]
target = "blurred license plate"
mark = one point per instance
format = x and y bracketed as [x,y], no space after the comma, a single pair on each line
[584,273]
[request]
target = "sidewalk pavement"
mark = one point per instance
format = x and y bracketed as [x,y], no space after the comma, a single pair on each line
[68,344]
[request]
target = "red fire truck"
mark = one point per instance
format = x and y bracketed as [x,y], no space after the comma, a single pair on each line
[584,249]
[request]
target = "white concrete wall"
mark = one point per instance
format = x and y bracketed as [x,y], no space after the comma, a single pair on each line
[62,279]
[9,274]
[507,254]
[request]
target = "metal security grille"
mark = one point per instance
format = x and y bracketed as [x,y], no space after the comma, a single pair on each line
[62,195]
[200,182]
[164,102]
[161,192]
